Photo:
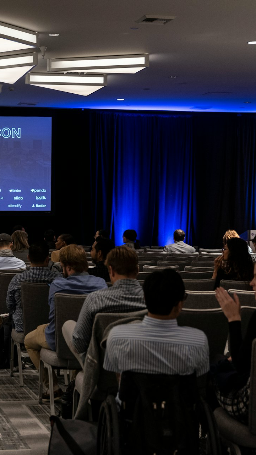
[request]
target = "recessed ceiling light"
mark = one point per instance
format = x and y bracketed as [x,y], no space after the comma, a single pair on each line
[54,34]
[247,102]
[120,99]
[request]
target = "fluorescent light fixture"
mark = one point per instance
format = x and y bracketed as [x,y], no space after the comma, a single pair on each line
[120,99]
[107,64]
[78,84]
[14,38]
[13,67]
[251,42]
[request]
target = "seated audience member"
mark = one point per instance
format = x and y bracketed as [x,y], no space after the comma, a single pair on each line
[236,264]
[62,240]
[230,234]
[125,295]
[101,233]
[7,259]
[76,281]
[20,245]
[99,251]
[233,393]
[129,239]
[157,344]
[38,273]
[50,238]
[179,246]
[254,243]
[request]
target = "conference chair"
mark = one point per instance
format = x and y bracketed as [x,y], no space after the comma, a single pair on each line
[143,275]
[202,264]
[142,263]
[166,263]
[199,285]
[198,268]
[212,322]
[5,278]
[231,284]
[210,250]
[234,433]
[67,306]
[195,275]
[246,298]
[35,309]
[207,259]
[201,300]
[94,383]
[153,268]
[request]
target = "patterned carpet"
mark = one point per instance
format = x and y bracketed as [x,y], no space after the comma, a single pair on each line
[24,424]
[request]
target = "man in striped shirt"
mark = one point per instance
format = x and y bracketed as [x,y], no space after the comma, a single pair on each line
[125,295]
[157,344]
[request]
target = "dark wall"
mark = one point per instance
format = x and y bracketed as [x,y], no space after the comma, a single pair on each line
[222,164]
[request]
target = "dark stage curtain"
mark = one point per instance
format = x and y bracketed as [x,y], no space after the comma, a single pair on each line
[142,174]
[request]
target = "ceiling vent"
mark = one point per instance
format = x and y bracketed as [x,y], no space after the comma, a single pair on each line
[155,19]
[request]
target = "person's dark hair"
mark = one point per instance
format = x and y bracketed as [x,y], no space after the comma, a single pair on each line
[20,241]
[179,235]
[131,235]
[239,260]
[18,227]
[163,290]
[123,261]
[74,256]
[103,233]
[38,252]
[67,238]
[49,235]
[104,245]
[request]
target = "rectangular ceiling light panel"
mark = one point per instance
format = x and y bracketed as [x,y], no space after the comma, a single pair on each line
[13,67]
[11,32]
[79,85]
[107,64]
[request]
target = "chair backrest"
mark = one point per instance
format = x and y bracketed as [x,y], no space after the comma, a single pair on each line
[199,268]
[5,278]
[34,301]
[210,250]
[160,410]
[208,259]
[142,263]
[246,298]
[67,306]
[231,284]
[212,322]
[199,285]
[143,275]
[153,268]
[246,314]
[201,300]
[195,275]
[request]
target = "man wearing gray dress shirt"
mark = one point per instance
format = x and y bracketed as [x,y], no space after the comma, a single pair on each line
[157,344]
[179,246]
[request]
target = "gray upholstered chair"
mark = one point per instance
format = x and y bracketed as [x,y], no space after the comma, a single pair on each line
[199,268]
[181,264]
[195,275]
[143,275]
[35,308]
[153,268]
[212,322]
[5,278]
[201,300]
[210,250]
[67,306]
[95,382]
[142,263]
[199,285]
[246,298]
[231,284]
[234,433]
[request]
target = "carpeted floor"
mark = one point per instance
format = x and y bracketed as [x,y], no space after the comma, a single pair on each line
[24,424]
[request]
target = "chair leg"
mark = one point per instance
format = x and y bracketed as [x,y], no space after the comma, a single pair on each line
[12,357]
[41,372]
[20,364]
[52,409]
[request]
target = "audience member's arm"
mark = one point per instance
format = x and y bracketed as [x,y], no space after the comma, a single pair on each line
[217,265]
[83,330]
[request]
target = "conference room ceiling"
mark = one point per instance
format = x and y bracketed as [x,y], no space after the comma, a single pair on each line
[199,61]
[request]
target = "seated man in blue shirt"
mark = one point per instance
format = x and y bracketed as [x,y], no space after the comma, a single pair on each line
[76,281]
[157,344]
